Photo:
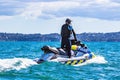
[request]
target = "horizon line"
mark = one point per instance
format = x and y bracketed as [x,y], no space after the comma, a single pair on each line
[53,33]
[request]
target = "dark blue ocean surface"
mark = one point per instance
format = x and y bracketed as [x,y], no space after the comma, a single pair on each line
[16,63]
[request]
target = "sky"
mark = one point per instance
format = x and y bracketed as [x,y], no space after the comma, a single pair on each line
[47,16]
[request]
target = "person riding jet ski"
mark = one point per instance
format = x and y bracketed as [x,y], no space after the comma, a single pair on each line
[66,32]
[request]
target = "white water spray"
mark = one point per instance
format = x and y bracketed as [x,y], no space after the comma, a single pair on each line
[98,60]
[15,64]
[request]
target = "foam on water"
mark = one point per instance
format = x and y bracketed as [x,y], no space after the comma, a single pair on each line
[98,60]
[15,64]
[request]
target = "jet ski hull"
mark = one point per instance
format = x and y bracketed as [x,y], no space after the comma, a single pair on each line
[75,60]
[70,61]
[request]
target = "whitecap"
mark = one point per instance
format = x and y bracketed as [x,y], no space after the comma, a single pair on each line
[15,64]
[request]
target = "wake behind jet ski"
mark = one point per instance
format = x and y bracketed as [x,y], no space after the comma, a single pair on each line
[79,52]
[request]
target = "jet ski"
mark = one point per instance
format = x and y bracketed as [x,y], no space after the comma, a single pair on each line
[79,54]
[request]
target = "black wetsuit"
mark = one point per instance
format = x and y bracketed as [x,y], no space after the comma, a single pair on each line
[65,34]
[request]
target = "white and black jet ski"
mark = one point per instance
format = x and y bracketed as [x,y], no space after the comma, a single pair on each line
[80,54]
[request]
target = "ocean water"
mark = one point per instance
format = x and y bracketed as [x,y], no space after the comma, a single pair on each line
[16,63]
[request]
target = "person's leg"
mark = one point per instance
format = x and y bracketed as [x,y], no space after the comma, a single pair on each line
[68,47]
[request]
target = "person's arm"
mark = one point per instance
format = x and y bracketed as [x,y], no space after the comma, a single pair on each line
[62,30]
[74,35]
[70,28]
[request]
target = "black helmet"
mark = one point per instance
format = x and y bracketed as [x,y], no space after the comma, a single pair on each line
[68,20]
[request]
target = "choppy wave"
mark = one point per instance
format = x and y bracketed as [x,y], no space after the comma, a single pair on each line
[15,64]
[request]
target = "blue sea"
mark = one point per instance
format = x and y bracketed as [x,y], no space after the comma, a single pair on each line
[16,63]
